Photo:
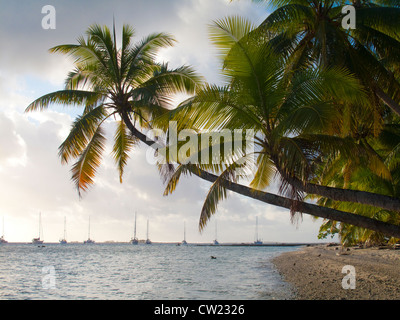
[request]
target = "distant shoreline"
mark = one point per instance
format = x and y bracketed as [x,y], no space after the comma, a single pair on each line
[200,244]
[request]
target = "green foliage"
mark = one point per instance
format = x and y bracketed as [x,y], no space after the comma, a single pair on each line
[110,81]
[289,114]
[308,34]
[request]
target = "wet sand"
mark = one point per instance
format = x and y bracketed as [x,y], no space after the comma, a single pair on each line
[316,273]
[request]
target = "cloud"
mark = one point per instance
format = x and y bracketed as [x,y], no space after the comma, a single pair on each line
[32,177]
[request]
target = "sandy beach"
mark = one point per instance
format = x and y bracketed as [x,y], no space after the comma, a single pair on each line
[316,273]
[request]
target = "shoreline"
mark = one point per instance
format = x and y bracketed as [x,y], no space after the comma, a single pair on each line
[193,244]
[316,273]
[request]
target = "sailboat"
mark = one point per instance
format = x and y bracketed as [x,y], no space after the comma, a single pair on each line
[88,241]
[38,240]
[147,234]
[257,241]
[184,234]
[215,242]
[64,239]
[134,240]
[2,240]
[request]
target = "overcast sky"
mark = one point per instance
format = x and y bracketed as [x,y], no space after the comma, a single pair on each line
[32,179]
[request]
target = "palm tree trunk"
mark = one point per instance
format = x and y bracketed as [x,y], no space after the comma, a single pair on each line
[307,208]
[388,100]
[347,195]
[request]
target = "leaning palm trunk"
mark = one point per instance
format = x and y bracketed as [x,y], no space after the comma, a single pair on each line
[347,195]
[389,101]
[128,83]
[388,229]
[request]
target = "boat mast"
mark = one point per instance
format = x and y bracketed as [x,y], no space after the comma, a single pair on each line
[256,228]
[147,233]
[89,229]
[40,223]
[184,231]
[216,230]
[65,230]
[134,230]
[257,240]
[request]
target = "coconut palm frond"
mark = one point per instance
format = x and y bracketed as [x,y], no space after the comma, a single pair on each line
[174,179]
[123,144]
[216,193]
[64,97]
[84,170]
[265,173]
[83,129]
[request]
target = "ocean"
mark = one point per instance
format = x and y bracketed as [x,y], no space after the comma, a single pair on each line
[140,272]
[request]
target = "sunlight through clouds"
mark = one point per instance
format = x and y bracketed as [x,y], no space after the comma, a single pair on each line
[32,177]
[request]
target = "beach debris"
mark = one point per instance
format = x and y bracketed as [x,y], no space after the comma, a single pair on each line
[332,244]
[344,253]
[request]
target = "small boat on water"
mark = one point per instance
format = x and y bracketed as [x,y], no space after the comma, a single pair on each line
[215,242]
[257,241]
[38,240]
[64,239]
[2,240]
[89,241]
[184,234]
[147,237]
[134,240]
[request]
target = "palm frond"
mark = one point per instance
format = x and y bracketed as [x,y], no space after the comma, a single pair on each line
[265,172]
[123,143]
[65,97]
[383,19]
[84,170]
[174,178]
[166,82]
[228,32]
[216,193]
[140,58]
[289,17]
[82,131]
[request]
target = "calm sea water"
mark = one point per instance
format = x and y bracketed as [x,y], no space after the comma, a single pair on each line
[124,271]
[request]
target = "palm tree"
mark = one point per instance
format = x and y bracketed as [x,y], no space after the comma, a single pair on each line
[126,83]
[350,174]
[290,116]
[310,32]
[129,84]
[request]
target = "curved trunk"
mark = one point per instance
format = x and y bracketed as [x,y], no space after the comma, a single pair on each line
[307,208]
[388,100]
[304,207]
[347,195]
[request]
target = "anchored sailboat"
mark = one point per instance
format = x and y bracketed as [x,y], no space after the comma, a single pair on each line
[2,240]
[88,241]
[257,241]
[64,239]
[184,234]
[38,240]
[147,233]
[215,242]
[134,240]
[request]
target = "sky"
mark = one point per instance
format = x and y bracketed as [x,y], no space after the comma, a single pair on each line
[32,178]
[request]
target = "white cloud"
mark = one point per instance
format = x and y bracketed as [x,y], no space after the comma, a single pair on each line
[32,178]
